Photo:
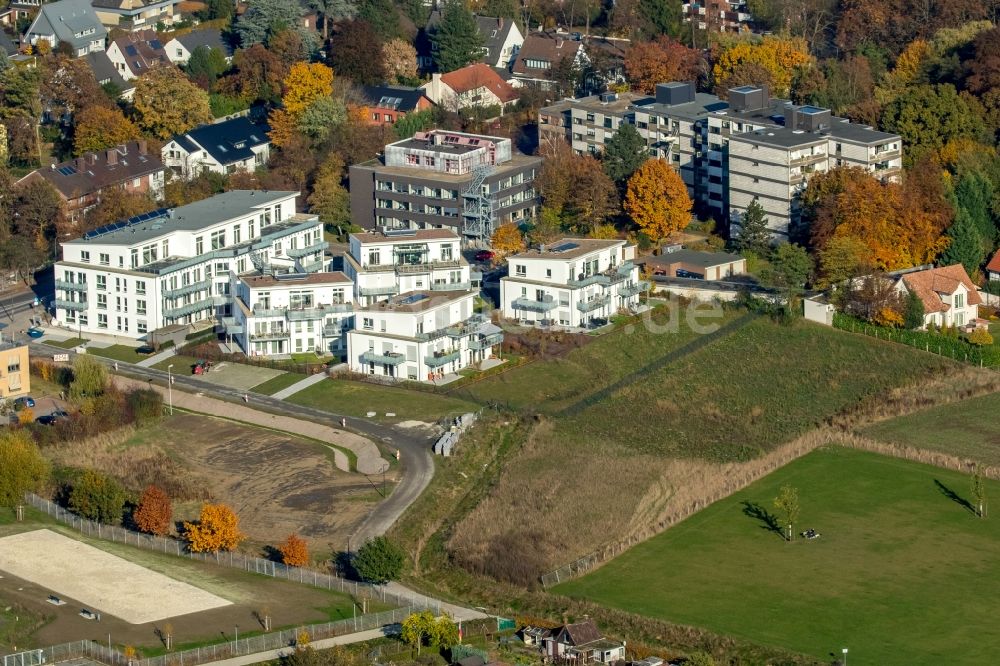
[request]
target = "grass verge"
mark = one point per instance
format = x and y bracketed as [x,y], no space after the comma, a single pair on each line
[122,353]
[353,398]
[66,344]
[275,384]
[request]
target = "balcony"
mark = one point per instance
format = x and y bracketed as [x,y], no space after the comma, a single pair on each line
[318,312]
[70,305]
[187,289]
[295,253]
[273,334]
[437,359]
[486,342]
[545,305]
[230,326]
[594,303]
[411,269]
[609,277]
[380,291]
[632,288]
[807,159]
[71,286]
[191,308]
[333,331]
[450,286]
[386,358]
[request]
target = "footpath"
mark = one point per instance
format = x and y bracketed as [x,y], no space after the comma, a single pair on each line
[368,456]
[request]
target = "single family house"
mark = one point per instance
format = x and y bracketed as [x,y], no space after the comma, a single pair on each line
[471,87]
[73,22]
[237,144]
[949,296]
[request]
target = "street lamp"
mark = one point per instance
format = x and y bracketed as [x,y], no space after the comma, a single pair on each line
[170,389]
[844,650]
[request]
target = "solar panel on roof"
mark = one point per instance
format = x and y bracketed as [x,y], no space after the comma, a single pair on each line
[413,298]
[564,247]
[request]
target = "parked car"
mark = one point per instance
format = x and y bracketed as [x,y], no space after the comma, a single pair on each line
[145,350]
[24,402]
[50,419]
[485,255]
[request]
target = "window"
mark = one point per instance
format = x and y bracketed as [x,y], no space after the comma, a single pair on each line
[105,259]
[102,282]
[14,364]
[140,287]
[277,213]
[251,228]
[85,257]
[149,254]
[959,300]
[237,235]
[102,320]
[218,239]
[135,258]
[140,327]
[368,323]
[199,245]
[548,272]
[140,307]
[520,270]
[374,257]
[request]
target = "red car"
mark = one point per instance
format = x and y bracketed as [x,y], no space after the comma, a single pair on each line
[484,255]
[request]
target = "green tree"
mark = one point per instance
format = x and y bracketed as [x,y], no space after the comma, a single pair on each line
[624,153]
[97,497]
[330,199]
[787,506]
[842,258]
[167,103]
[334,10]
[443,633]
[789,270]
[23,469]
[456,37]
[913,311]
[661,18]
[929,116]
[382,16]
[413,122]
[265,18]
[965,244]
[379,561]
[975,193]
[978,491]
[206,65]
[321,117]
[415,628]
[755,236]
[90,377]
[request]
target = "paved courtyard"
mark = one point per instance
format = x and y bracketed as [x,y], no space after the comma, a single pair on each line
[238,375]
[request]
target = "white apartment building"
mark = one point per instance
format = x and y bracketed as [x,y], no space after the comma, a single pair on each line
[388,262]
[172,266]
[420,336]
[576,282]
[290,313]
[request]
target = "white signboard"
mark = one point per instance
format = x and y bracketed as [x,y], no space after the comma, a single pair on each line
[63,358]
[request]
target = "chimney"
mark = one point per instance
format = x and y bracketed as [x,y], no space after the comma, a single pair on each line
[142,146]
[111,156]
[81,164]
[500,23]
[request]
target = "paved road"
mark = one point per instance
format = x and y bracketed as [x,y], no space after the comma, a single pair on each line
[272,655]
[415,447]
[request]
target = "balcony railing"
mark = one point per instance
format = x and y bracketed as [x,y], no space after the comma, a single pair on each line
[545,305]
[632,288]
[297,252]
[450,286]
[70,305]
[409,269]
[486,342]
[191,308]
[332,331]
[276,334]
[593,304]
[318,312]
[71,286]
[230,326]
[437,359]
[187,289]
[386,358]
[380,291]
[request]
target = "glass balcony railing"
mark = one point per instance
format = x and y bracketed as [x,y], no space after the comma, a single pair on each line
[437,359]
[593,304]
[71,286]
[387,358]
[545,305]
[486,342]
[188,289]
[70,305]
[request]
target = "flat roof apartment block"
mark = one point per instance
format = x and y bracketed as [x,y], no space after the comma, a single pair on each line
[467,182]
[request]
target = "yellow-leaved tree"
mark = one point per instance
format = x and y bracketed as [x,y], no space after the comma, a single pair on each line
[167,103]
[306,83]
[778,56]
[657,200]
[99,127]
[218,528]
[507,239]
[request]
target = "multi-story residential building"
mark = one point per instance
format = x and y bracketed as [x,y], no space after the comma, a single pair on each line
[576,282]
[15,375]
[420,335]
[290,313]
[172,266]
[467,182]
[385,263]
[237,144]
[18,10]
[70,21]
[81,182]
[135,14]
[718,15]
[586,123]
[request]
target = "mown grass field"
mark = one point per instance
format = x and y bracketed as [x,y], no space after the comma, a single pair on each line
[123,353]
[275,384]
[902,574]
[968,429]
[357,398]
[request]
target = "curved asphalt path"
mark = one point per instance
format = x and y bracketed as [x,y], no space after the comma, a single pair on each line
[415,449]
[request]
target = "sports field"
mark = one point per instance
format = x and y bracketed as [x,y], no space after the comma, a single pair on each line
[102,582]
[903,572]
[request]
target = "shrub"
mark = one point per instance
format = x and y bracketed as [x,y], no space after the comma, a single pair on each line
[294,551]
[888,317]
[153,513]
[144,405]
[23,469]
[90,377]
[97,497]
[980,337]
[26,416]
[379,561]
[218,528]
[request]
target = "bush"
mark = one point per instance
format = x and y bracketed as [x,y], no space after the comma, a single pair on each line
[90,377]
[980,337]
[379,561]
[218,528]
[144,405]
[153,513]
[294,551]
[97,497]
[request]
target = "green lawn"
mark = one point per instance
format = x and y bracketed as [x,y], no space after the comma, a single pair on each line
[182,364]
[122,353]
[902,574]
[66,344]
[969,429]
[357,398]
[275,384]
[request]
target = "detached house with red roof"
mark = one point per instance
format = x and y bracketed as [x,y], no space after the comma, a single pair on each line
[949,296]
[473,86]
[993,268]
[135,53]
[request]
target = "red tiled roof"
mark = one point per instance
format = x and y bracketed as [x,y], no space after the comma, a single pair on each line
[994,265]
[929,284]
[546,47]
[479,75]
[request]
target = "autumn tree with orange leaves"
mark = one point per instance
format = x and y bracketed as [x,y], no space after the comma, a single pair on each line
[218,528]
[507,239]
[154,512]
[294,551]
[779,57]
[657,200]
[665,59]
[305,85]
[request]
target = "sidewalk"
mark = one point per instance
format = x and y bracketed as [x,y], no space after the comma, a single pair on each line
[299,385]
[156,358]
[369,459]
[272,655]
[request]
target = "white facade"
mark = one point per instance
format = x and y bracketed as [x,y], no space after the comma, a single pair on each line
[224,147]
[572,283]
[173,266]
[292,313]
[384,264]
[420,336]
